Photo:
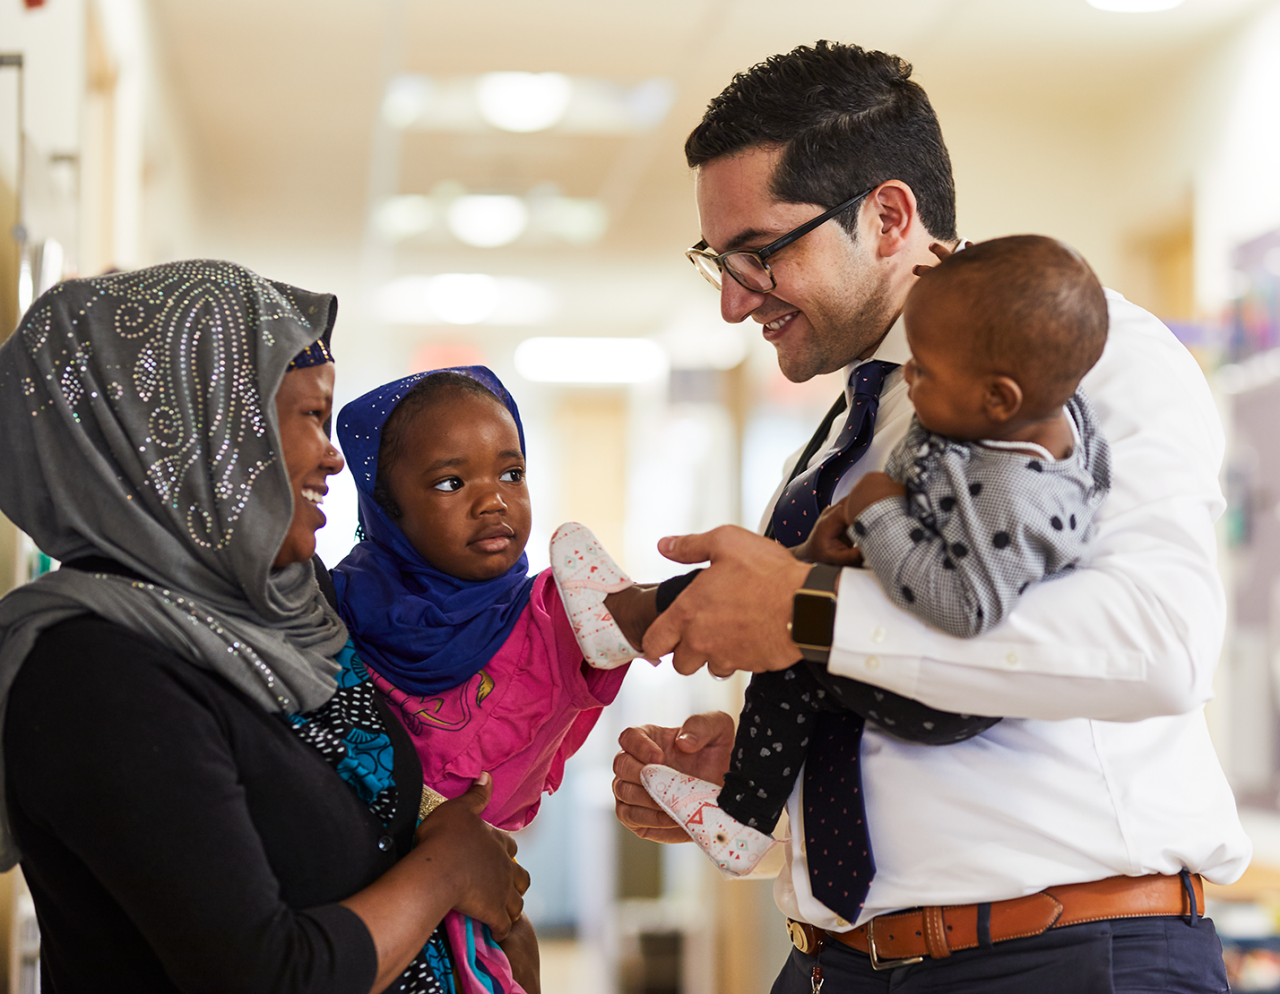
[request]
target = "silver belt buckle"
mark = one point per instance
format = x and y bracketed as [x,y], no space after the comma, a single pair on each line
[885,964]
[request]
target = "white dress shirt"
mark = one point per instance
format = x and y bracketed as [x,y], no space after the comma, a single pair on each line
[1103,765]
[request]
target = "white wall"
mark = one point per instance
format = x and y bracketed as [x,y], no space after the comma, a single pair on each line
[1238,178]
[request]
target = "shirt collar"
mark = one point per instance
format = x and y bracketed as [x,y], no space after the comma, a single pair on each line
[892,348]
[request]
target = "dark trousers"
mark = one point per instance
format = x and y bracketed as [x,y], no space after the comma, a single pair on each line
[1120,956]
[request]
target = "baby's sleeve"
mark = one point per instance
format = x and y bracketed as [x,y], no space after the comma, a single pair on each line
[958,552]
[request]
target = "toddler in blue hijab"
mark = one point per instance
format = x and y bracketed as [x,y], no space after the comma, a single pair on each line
[488,668]
[483,663]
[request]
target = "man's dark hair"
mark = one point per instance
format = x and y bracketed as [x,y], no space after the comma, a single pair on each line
[847,119]
[395,432]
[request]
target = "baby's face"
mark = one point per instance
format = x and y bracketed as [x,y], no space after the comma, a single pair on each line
[945,389]
[460,486]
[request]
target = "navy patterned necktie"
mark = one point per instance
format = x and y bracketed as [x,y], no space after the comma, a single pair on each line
[810,491]
[837,843]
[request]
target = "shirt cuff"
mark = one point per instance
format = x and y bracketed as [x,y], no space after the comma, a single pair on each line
[869,642]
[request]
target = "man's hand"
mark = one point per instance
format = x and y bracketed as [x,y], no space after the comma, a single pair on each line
[700,747]
[735,614]
[871,488]
[829,540]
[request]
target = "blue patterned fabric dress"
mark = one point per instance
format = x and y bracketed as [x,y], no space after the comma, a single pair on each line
[347,730]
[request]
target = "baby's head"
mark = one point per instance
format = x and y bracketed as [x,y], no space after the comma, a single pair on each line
[1001,334]
[451,476]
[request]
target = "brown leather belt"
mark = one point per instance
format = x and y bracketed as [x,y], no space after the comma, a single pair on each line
[909,936]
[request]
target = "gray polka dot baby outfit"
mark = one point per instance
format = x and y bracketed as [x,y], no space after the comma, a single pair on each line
[980,525]
[982,522]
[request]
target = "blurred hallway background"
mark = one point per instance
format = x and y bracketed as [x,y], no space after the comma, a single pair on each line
[504,183]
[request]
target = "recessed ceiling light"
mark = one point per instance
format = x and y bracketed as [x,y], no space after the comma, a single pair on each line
[591,360]
[464,298]
[697,338]
[1135,6]
[406,98]
[488,221]
[404,216]
[523,101]
[575,219]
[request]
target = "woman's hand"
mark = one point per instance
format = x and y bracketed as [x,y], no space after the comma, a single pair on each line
[521,947]
[459,862]
[490,883]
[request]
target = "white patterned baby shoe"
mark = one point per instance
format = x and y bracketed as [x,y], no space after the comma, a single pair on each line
[734,847]
[585,574]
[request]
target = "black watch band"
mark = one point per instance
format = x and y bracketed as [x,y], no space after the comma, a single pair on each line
[813,613]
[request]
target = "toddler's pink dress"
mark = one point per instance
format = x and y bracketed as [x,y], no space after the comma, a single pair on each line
[520,718]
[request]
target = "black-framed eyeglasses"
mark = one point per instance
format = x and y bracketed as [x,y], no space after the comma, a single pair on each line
[749,267]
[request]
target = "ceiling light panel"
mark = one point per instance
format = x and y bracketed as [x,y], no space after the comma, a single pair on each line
[591,360]
[407,98]
[464,298]
[488,221]
[1135,6]
[492,220]
[404,216]
[523,102]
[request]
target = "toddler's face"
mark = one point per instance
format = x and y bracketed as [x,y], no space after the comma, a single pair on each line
[945,389]
[461,489]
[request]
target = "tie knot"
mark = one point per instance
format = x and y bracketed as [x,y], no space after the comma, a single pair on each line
[869,377]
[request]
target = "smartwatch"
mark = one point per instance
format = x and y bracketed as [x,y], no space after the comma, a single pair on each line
[813,613]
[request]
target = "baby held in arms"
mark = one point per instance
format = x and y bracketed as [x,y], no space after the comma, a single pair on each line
[992,490]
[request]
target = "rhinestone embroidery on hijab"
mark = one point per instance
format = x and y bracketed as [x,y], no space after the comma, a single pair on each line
[148,416]
[137,422]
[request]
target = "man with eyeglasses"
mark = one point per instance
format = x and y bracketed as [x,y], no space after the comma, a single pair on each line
[1063,848]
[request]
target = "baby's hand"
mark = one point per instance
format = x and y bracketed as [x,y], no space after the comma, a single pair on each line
[871,488]
[829,541]
[938,249]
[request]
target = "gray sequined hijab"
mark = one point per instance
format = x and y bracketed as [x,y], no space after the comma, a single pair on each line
[137,422]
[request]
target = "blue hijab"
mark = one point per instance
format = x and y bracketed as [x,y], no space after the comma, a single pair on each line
[421,629]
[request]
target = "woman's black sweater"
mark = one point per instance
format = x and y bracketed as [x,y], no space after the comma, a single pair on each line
[175,836]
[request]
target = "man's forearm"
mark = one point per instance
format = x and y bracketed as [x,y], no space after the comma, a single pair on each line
[1116,644]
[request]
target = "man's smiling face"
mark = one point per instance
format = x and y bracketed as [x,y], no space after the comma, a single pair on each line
[832,304]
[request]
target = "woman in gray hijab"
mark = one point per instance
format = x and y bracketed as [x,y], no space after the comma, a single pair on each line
[202,789]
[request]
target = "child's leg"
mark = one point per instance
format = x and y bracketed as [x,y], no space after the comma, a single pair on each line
[898,715]
[591,585]
[635,608]
[771,744]
[608,612]
[669,590]
[732,824]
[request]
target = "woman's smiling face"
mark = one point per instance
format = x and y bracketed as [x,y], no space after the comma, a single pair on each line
[459,483]
[303,405]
